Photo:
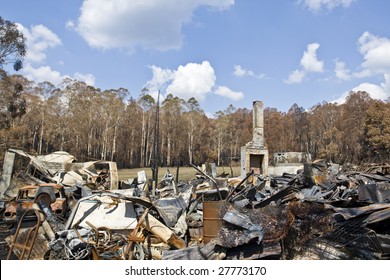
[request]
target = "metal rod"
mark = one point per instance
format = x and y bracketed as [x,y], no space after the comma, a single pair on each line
[239,184]
[209,177]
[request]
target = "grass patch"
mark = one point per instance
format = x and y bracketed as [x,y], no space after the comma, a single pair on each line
[185,173]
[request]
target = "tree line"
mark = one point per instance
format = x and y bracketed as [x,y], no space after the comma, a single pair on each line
[112,125]
[95,124]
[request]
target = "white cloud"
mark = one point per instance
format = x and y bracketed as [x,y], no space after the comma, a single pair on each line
[344,74]
[210,115]
[38,40]
[46,74]
[317,5]
[70,24]
[241,72]
[309,62]
[89,79]
[191,80]
[386,83]
[376,63]
[161,77]
[376,58]
[295,77]
[151,24]
[375,92]
[341,71]
[42,74]
[376,52]
[227,92]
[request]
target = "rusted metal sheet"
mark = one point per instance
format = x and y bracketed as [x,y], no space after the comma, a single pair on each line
[212,220]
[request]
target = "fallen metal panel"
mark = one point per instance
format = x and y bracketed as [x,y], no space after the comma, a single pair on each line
[103,211]
[375,193]
[6,176]
[378,216]
[384,240]
[210,251]
[353,212]
[255,252]
[170,214]
[279,195]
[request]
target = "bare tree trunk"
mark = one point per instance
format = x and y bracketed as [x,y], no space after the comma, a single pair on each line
[131,148]
[113,150]
[77,144]
[219,148]
[146,147]
[62,141]
[162,149]
[143,141]
[190,145]
[41,135]
[34,139]
[89,148]
[169,150]
[147,137]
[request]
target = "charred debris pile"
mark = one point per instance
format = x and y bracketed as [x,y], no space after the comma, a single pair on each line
[322,212]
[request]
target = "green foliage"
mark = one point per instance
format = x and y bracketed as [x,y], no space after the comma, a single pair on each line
[12,44]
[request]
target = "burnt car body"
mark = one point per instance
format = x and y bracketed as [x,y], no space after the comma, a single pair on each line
[48,193]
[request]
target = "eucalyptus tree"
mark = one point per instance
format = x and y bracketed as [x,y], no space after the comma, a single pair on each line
[296,128]
[13,106]
[12,101]
[12,46]
[324,131]
[274,133]
[378,130]
[222,134]
[193,117]
[111,107]
[352,127]
[130,134]
[12,51]
[76,114]
[40,114]
[146,102]
[173,128]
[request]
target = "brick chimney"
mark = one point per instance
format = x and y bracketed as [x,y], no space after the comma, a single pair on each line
[254,155]
[258,124]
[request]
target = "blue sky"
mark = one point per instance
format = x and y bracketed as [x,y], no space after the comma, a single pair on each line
[219,51]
